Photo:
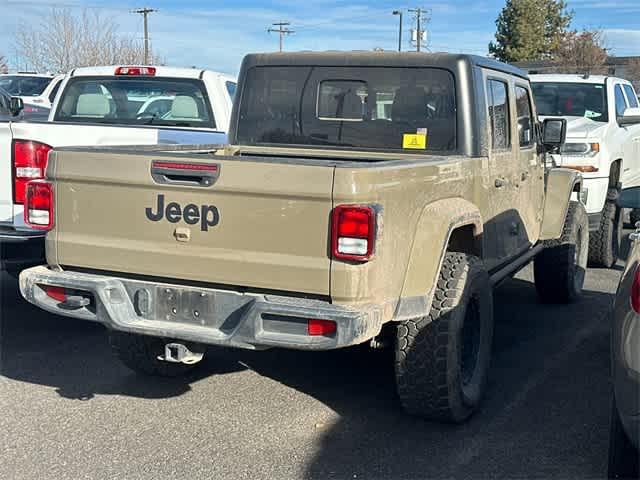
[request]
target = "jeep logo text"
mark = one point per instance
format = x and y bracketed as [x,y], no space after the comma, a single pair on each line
[206,215]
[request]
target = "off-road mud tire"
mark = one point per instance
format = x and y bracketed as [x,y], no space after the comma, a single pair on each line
[140,354]
[604,243]
[432,379]
[623,456]
[560,268]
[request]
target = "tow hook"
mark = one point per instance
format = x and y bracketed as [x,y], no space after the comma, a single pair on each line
[179,353]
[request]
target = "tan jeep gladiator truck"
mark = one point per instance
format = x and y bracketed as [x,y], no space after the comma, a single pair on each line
[364,197]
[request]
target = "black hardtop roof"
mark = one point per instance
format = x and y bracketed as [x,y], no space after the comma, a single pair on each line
[363,58]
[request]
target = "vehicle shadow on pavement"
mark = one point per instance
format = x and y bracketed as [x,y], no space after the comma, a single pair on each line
[545,414]
[75,356]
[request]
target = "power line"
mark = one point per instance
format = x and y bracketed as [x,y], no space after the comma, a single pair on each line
[145,13]
[282,30]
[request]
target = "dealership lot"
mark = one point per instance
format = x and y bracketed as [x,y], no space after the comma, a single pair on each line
[72,411]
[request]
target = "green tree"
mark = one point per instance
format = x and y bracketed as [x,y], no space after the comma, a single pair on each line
[530,30]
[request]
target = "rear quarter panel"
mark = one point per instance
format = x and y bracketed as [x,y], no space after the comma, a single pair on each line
[418,202]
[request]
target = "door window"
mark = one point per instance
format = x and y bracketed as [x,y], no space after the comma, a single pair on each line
[499,115]
[621,104]
[525,118]
[631,96]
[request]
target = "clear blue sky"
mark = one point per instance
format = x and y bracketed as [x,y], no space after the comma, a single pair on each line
[216,34]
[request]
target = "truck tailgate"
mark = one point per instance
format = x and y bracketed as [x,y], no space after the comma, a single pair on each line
[261,224]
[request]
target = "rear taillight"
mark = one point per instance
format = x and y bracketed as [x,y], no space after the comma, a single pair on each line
[29,163]
[635,291]
[38,205]
[136,71]
[353,232]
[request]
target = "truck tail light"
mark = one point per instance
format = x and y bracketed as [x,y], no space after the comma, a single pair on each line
[353,230]
[38,207]
[635,291]
[149,71]
[29,163]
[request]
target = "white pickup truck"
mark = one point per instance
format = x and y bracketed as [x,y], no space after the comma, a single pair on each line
[603,142]
[105,106]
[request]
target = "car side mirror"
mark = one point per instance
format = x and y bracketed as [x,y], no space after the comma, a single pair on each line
[631,116]
[629,198]
[554,132]
[16,105]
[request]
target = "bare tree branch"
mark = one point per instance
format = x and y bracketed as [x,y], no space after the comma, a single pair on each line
[585,52]
[633,72]
[63,41]
[4,68]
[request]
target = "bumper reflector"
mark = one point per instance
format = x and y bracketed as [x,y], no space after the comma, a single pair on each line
[321,327]
[57,293]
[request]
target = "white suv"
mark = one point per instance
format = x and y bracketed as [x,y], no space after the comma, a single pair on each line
[603,142]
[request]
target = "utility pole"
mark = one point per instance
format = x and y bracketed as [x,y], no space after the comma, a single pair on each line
[419,32]
[145,13]
[282,30]
[399,12]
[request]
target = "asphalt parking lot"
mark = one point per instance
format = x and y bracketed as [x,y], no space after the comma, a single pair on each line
[69,410]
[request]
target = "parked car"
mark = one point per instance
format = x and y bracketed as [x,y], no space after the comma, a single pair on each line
[624,437]
[603,142]
[48,95]
[101,106]
[26,84]
[330,221]
[25,112]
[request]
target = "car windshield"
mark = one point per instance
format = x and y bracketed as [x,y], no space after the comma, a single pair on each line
[136,101]
[385,108]
[24,85]
[571,100]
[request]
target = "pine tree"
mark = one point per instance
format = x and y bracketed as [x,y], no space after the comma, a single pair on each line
[530,30]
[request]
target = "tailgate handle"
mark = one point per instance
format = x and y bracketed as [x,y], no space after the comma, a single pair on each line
[179,173]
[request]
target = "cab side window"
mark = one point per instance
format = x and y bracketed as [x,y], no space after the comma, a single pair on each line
[499,114]
[525,118]
[631,96]
[54,91]
[621,104]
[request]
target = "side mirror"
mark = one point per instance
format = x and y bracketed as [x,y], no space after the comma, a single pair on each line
[629,198]
[16,105]
[554,132]
[631,116]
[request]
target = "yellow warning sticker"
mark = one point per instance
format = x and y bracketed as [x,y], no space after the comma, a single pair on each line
[416,141]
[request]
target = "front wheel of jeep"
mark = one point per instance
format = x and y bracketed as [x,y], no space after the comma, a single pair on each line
[442,360]
[560,268]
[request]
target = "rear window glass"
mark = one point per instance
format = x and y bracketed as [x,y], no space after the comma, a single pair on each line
[136,101]
[24,85]
[385,108]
